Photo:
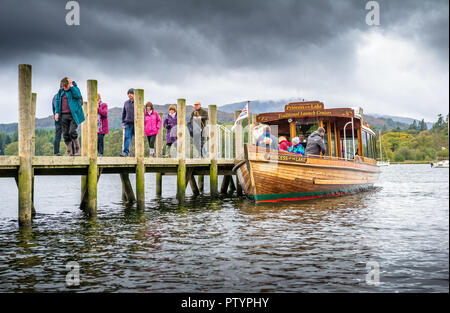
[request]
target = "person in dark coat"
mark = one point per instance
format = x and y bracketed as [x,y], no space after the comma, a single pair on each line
[198,121]
[170,124]
[315,143]
[128,122]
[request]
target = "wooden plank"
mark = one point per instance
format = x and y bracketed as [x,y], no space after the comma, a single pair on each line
[213,149]
[92,147]
[25,145]
[181,149]
[139,146]
[340,181]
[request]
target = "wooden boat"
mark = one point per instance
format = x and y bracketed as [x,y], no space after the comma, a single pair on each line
[272,176]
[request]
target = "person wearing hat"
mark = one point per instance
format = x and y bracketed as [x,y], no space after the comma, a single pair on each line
[199,118]
[283,143]
[69,113]
[128,122]
[297,147]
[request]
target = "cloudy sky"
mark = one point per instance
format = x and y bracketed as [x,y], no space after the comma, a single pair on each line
[224,51]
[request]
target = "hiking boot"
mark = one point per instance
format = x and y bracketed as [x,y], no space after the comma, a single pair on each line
[123,154]
[77,147]
[68,149]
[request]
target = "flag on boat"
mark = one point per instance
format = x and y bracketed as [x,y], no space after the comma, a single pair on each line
[244,114]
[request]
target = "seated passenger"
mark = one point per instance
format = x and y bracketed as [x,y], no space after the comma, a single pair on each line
[283,143]
[267,140]
[297,147]
[315,143]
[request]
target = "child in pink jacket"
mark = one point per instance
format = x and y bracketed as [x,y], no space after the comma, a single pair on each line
[152,124]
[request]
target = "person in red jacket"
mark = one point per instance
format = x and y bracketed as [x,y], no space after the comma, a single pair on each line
[102,124]
[152,124]
[284,144]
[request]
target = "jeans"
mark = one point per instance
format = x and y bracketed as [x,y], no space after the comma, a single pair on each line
[69,127]
[129,133]
[100,143]
[58,132]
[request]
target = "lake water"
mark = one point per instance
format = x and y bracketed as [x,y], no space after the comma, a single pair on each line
[229,244]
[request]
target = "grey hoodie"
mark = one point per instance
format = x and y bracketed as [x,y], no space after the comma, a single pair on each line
[315,144]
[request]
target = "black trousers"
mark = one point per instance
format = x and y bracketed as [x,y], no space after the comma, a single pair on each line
[100,143]
[58,133]
[69,127]
[57,141]
[151,141]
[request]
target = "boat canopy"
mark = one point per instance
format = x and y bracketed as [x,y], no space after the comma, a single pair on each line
[347,134]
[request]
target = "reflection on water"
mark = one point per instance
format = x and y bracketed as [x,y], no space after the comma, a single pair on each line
[229,244]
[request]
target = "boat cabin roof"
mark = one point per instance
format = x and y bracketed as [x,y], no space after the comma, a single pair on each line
[304,110]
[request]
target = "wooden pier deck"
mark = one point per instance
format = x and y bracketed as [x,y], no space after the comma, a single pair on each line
[26,165]
[79,165]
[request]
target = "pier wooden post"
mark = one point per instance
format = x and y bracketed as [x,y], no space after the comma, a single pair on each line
[252,125]
[181,149]
[158,148]
[238,144]
[232,187]
[238,147]
[84,152]
[92,148]
[25,138]
[225,184]
[33,147]
[127,188]
[139,146]
[201,183]
[212,118]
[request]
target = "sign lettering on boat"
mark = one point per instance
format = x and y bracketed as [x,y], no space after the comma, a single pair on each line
[267,117]
[295,158]
[303,106]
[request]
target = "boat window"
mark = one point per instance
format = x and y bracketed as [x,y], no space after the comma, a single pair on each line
[374,147]
[348,145]
[369,146]
[333,140]
[364,142]
[305,129]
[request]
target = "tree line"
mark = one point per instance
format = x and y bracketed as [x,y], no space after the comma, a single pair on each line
[416,143]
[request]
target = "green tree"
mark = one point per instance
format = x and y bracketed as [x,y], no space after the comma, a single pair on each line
[12,148]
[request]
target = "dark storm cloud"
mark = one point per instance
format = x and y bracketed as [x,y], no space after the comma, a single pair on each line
[229,33]
[226,51]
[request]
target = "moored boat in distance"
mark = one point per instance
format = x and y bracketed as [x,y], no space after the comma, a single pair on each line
[440,164]
[381,162]
[384,163]
[347,167]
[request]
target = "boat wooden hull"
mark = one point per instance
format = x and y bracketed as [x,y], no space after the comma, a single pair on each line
[279,176]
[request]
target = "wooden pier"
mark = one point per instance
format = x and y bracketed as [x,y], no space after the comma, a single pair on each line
[26,165]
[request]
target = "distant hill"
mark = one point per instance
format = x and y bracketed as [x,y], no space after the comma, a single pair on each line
[404,120]
[115,118]
[225,114]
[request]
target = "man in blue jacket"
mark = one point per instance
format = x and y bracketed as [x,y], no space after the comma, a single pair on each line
[69,112]
[128,122]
